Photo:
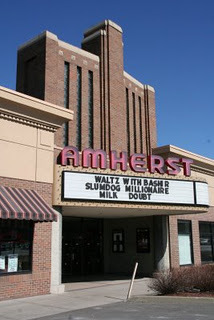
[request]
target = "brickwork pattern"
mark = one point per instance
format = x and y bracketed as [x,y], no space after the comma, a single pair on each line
[173,235]
[31,69]
[110,118]
[38,281]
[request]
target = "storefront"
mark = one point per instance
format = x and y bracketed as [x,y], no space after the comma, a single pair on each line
[27,127]
[87,193]
[115,214]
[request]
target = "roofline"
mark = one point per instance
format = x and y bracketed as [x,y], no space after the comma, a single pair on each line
[138,83]
[174,149]
[63,44]
[102,24]
[17,103]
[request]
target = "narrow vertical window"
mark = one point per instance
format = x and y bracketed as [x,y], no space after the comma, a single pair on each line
[207,241]
[185,242]
[66,85]
[134,122]
[127,121]
[79,108]
[140,124]
[90,109]
[66,101]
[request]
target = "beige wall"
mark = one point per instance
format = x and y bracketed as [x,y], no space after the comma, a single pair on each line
[26,152]
[27,127]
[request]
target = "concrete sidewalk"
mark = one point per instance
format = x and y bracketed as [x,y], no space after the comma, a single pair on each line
[82,295]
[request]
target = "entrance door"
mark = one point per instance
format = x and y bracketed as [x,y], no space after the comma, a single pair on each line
[82,248]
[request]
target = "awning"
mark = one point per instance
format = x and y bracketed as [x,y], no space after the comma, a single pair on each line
[24,204]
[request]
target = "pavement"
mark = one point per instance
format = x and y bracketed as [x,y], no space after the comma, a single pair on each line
[79,296]
[145,308]
[107,300]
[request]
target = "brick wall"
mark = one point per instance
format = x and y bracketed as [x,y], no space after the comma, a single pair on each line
[147,135]
[31,69]
[173,235]
[37,282]
[110,118]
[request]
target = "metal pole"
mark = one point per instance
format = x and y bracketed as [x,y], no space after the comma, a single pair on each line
[132,281]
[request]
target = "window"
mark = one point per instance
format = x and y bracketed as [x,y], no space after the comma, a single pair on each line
[79,108]
[16,238]
[143,240]
[127,121]
[134,122]
[207,241]
[66,84]
[140,124]
[66,102]
[90,109]
[118,241]
[185,242]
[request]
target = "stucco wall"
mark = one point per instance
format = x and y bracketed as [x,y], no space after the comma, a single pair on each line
[28,152]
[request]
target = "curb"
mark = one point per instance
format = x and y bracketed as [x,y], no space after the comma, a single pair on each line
[157,297]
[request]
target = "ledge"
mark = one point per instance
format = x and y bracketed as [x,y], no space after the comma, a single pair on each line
[21,105]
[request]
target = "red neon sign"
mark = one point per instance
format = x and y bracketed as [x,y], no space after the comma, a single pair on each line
[137,162]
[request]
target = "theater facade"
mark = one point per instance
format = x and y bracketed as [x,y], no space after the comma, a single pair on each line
[85,192]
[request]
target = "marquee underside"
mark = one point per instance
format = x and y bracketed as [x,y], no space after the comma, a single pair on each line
[115,212]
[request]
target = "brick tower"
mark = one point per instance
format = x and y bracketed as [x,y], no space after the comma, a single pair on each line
[112,110]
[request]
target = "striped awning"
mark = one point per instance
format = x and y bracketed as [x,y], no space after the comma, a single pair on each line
[24,204]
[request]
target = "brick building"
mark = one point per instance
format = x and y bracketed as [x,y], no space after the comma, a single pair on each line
[119,198]
[27,127]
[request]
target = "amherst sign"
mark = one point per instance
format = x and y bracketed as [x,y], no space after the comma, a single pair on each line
[137,162]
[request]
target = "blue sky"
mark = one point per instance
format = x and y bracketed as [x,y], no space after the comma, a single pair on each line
[168,44]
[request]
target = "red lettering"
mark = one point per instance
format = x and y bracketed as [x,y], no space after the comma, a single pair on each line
[121,160]
[95,159]
[155,163]
[172,164]
[186,165]
[70,153]
[136,162]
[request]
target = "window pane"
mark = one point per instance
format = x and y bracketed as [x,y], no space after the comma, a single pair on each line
[206,241]
[185,255]
[127,121]
[15,245]
[185,242]
[134,122]
[90,108]
[184,227]
[66,84]
[66,103]
[140,124]
[79,108]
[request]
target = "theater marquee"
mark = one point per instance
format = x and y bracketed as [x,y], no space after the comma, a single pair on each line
[115,188]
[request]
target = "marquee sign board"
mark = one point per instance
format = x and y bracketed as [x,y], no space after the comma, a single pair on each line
[132,189]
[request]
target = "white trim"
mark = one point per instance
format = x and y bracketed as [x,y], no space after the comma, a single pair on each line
[138,83]
[94,35]
[82,52]
[46,33]
[150,88]
[94,28]
[115,26]
[102,24]
[31,103]
[61,44]
[129,77]
[201,163]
